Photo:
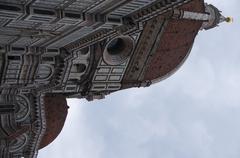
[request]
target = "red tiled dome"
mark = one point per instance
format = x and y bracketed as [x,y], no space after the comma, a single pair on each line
[175,44]
[162,47]
[56,110]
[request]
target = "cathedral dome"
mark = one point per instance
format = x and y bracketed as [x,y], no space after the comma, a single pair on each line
[163,46]
[56,110]
[175,45]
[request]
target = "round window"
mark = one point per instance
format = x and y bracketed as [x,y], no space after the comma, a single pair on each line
[118,50]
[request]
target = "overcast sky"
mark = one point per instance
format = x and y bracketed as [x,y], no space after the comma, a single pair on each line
[193,114]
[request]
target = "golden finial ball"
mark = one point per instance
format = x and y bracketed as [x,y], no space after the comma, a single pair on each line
[229,19]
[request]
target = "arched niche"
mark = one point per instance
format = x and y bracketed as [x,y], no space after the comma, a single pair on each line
[17,144]
[22,110]
[85,51]
[44,72]
[79,68]
[18,104]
